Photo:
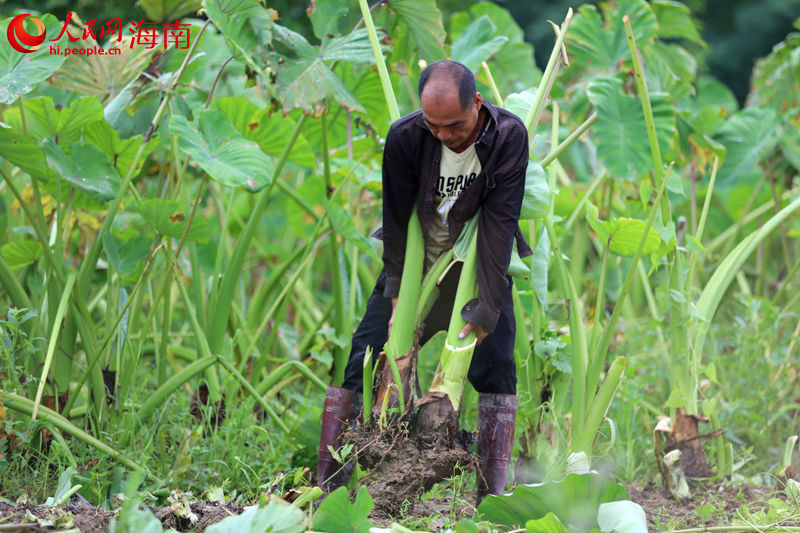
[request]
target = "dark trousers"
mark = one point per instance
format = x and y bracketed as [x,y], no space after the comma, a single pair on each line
[492,369]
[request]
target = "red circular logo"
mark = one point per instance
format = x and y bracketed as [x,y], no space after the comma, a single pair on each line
[20,39]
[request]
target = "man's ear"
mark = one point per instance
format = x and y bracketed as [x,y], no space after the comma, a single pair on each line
[478,101]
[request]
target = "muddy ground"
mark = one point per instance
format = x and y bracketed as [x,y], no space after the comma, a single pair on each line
[712,506]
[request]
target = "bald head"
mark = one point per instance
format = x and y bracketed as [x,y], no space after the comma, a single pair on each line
[445,79]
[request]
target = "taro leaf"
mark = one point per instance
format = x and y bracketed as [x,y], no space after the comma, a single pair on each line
[477,43]
[622,142]
[86,167]
[121,152]
[23,152]
[547,524]
[43,119]
[599,43]
[325,15]
[246,25]
[536,201]
[521,103]
[364,84]
[21,72]
[675,21]
[276,517]
[137,518]
[776,77]
[338,515]
[749,136]
[271,133]
[424,21]
[539,267]
[625,233]
[343,224]
[126,255]
[513,66]
[64,485]
[170,218]
[168,10]
[107,75]
[305,79]
[21,253]
[573,500]
[622,517]
[790,148]
[669,68]
[465,525]
[220,150]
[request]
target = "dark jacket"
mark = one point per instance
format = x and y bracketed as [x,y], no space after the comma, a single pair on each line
[411,161]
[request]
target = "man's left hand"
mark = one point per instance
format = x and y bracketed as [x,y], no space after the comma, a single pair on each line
[479,332]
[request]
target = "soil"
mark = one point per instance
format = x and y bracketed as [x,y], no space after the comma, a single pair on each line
[403,467]
[715,505]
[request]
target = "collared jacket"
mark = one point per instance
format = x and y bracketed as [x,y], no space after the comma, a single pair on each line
[411,161]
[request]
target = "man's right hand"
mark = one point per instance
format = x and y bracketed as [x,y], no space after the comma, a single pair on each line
[391,320]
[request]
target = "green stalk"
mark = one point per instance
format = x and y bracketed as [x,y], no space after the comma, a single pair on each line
[715,288]
[368,383]
[683,361]
[702,224]
[580,353]
[51,345]
[600,352]
[401,339]
[25,406]
[161,394]
[747,218]
[457,353]
[532,120]
[492,85]
[223,296]
[386,84]
[584,442]
[430,290]
[341,327]
[574,136]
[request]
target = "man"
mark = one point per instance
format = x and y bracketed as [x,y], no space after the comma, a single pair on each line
[456,155]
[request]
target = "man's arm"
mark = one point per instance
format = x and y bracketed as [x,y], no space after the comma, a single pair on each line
[399,192]
[499,219]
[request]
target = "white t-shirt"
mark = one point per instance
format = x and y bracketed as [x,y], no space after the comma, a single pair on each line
[456,172]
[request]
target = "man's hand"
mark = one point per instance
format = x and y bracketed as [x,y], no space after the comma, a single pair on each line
[391,320]
[479,332]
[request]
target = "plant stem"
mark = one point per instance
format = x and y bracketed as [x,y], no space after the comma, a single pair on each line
[388,92]
[558,150]
[492,84]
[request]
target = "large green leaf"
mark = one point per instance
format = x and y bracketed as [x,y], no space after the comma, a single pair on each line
[219,149]
[521,103]
[513,66]
[44,119]
[270,132]
[85,167]
[304,79]
[168,10]
[121,152]
[170,218]
[338,515]
[275,517]
[17,148]
[624,233]
[536,201]
[749,136]
[18,254]
[675,21]
[776,77]
[477,43]
[574,501]
[599,43]
[424,21]
[247,27]
[621,132]
[547,524]
[325,15]
[21,72]
[126,255]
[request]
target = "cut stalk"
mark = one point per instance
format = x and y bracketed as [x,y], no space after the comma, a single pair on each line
[368,384]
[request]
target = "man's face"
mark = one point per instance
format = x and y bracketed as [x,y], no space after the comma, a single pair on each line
[443,114]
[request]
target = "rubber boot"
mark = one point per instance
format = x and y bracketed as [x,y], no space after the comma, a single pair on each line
[497,416]
[339,411]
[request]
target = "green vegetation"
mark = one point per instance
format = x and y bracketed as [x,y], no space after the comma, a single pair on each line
[185,256]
